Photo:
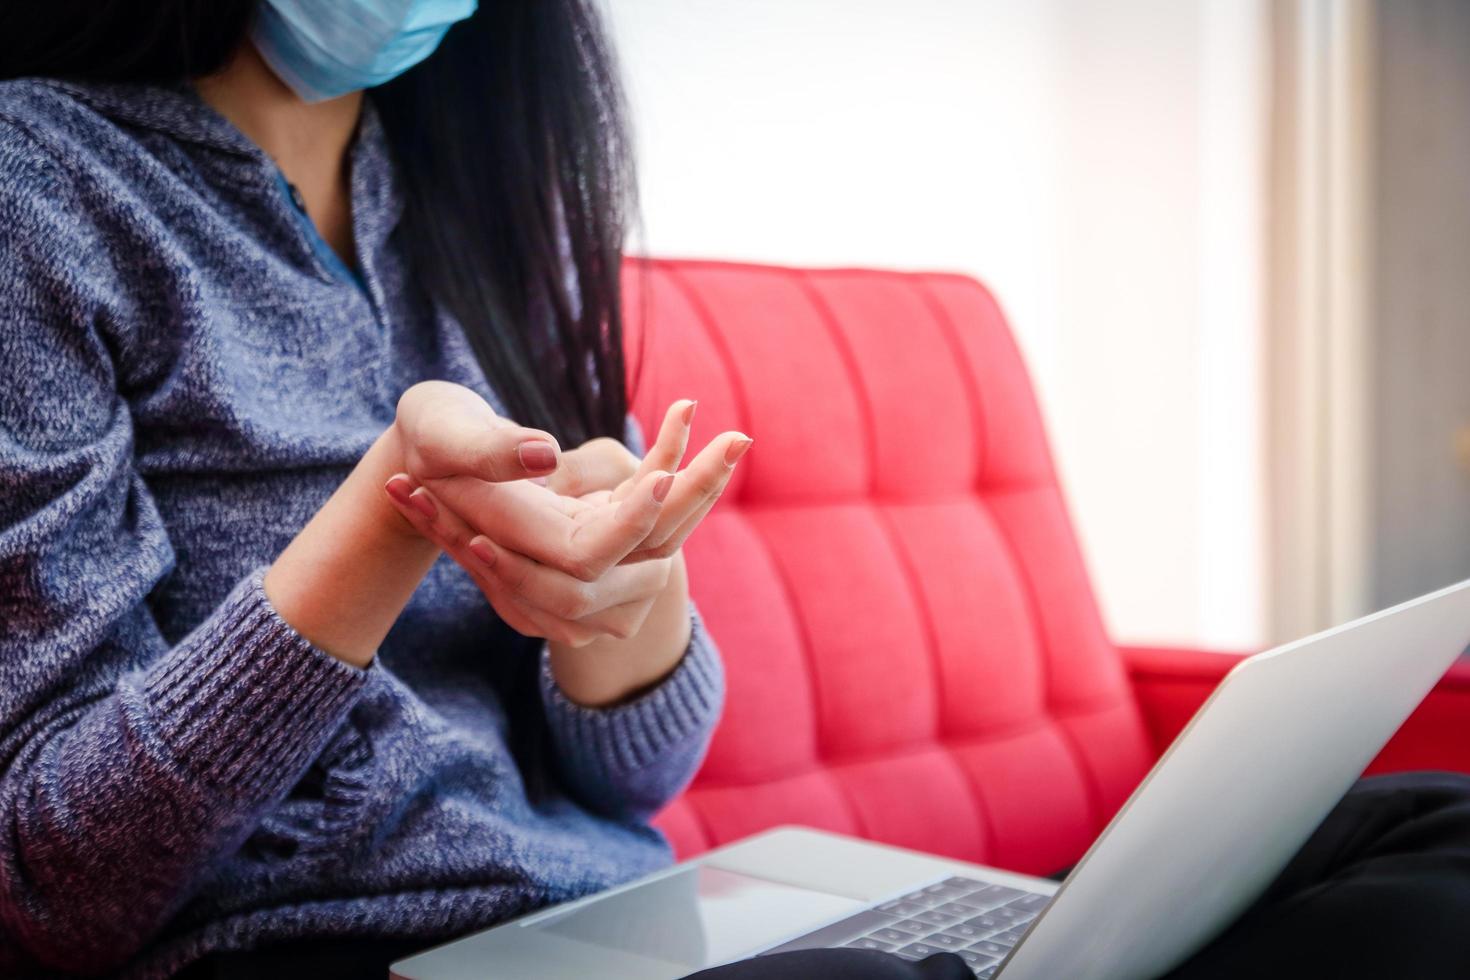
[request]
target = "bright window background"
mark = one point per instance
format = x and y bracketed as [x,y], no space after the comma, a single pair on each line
[1101,165]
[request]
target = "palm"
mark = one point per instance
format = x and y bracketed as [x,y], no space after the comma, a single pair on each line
[584,552]
[538,522]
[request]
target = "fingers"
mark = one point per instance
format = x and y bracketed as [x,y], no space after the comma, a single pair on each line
[522,516]
[606,464]
[600,464]
[524,618]
[528,621]
[675,541]
[507,453]
[699,487]
[443,528]
[617,607]
[620,622]
[624,621]
[416,506]
[449,429]
[668,449]
[555,630]
[579,538]
[616,529]
[597,604]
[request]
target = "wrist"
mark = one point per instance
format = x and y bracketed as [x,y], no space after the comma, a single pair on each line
[344,579]
[383,460]
[609,671]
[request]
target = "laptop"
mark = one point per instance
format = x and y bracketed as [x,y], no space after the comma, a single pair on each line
[1274,748]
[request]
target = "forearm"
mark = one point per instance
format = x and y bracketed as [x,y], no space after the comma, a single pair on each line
[347,576]
[609,670]
[114,810]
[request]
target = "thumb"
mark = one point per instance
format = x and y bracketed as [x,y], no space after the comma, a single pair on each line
[497,454]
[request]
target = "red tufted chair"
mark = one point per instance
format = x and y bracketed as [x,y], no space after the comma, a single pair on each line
[913,650]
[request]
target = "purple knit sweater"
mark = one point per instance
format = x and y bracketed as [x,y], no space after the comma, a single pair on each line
[186,375]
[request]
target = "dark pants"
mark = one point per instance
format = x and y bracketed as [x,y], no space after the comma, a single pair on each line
[1382,889]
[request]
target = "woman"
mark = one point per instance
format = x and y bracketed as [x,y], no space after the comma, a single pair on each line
[242,702]
[263,339]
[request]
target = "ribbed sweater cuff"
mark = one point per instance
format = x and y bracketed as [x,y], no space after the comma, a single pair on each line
[245,702]
[631,737]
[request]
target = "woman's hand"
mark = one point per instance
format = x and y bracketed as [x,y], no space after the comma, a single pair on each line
[445,429]
[586,555]
[344,579]
[573,590]
[607,465]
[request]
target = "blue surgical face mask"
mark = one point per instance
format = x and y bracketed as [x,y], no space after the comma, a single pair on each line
[327,48]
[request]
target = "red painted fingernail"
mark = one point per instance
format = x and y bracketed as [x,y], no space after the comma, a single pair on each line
[537,456]
[689,413]
[662,487]
[423,504]
[736,450]
[399,488]
[481,549]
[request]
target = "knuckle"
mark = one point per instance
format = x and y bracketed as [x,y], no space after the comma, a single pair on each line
[573,467]
[566,479]
[423,396]
[573,604]
[491,464]
[411,397]
[582,568]
[515,579]
[578,639]
[417,521]
[711,484]
[618,453]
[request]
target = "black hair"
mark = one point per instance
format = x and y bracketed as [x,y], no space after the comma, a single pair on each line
[511,141]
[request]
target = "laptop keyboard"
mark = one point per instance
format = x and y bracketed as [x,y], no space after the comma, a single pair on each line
[976,920]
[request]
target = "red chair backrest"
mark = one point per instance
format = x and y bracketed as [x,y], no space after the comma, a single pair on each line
[913,649]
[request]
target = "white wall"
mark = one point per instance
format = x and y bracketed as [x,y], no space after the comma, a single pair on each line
[1099,164]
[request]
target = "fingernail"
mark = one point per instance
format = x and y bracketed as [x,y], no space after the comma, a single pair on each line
[689,413]
[537,456]
[421,502]
[481,549]
[662,487]
[736,450]
[540,481]
[397,487]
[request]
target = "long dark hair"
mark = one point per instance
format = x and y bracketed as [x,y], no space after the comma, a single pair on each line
[512,144]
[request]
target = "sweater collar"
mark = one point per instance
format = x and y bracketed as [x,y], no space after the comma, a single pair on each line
[173,110]
[178,112]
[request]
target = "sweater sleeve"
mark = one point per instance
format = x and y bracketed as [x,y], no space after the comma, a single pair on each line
[630,760]
[128,764]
